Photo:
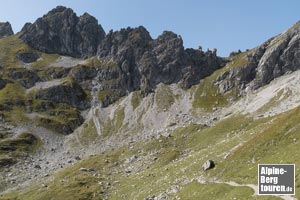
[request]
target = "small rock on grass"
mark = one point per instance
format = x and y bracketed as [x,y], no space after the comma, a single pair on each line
[83,169]
[209,164]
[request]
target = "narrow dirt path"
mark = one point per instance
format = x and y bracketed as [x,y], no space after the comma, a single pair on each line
[252,186]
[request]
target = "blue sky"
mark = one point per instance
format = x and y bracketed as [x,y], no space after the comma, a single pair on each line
[226,25]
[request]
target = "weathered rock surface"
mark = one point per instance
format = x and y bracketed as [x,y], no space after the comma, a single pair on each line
[199,65]
[5,29]
[143,62]
[61,31]
[275,57]
[27,57]
[27,78]
[67,92]
[82,73]
[209,164]
[131,59]
[3,83]
[57,72]
[66,127]
[126,48]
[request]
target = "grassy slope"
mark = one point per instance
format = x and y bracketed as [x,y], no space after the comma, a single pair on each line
[111,127]
[12,96]
[12,45]
[166,163]
[277,143]
[164,97]
[12,101]
[136,99]
[15,148]
[169,162]
[207,95]
[196,191]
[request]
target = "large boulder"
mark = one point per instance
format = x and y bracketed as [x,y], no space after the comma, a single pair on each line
[5,29]
[209,164]
[61,31]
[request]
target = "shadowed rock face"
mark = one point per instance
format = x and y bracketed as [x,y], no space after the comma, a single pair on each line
[26,78]
[5,29]
[27,57]
[144,62]
[69,92]
[61,31]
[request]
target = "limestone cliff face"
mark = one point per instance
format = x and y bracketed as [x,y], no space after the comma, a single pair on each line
[144,62]
[273,58]
[61,31]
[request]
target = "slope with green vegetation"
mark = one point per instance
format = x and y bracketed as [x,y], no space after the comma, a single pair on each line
[171,166]
[12,149]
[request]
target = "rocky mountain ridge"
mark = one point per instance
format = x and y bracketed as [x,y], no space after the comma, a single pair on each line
[259,66]
[129,60]
[141,62]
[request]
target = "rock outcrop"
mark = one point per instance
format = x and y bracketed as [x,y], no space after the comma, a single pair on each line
[3,83]
[126,48]
[27,57]
[26,78]
[5,29]
[143,62]
[67,92]
[199,65]
[273,58]
[61,31]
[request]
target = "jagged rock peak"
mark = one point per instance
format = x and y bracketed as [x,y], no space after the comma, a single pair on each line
[168,35]
[5,29]
[120,41]
[62,31]
[58,9]
[144,62]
